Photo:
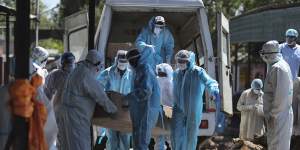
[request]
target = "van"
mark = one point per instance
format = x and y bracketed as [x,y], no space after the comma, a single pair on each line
[122,20]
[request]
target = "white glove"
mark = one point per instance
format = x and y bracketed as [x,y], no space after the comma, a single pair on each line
[150,46]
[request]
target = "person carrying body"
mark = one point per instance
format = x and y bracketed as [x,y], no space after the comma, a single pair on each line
[81,93]
[118,78]
[144,100]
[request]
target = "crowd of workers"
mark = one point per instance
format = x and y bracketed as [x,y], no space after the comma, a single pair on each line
[146,79]
[273,108]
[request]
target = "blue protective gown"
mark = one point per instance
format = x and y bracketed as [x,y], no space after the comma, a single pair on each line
[113,81]
[189,87]
[81,93]
[144,103]
[164,43]
[292,57]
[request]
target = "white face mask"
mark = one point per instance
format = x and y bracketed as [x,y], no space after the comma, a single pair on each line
[157,31]
[291,41]
[69,67]
[122,66]
[270,58]
[255,91]
[181,66]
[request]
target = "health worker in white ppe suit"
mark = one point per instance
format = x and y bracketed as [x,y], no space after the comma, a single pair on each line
[165,80]
[277,99]
[81,93]
[252,115]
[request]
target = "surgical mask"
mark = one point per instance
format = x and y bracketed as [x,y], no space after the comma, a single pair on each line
[291,41]
[69,67]
[271,58]
[182,66]
[256,91]
[157,31]
[122,66]
[264,58]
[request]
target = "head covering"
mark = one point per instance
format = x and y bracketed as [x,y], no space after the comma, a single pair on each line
[166,68]
[257,84]
[133,56]
[159,21]
[186,55]
[270,52]
[39,57]
[67,58]
[121,54]
[270,47]
[291,32]
[93,57]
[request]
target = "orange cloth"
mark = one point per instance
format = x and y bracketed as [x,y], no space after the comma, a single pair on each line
[23,100]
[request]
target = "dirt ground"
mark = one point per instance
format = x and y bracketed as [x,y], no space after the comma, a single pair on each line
[229,143]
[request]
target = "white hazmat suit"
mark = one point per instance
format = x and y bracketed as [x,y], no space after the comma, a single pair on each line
[252,116]
[278,94]
[165,81]
[81,93]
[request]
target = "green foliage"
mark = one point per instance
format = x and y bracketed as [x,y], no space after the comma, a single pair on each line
[230,7]
[9,3]
[52,44]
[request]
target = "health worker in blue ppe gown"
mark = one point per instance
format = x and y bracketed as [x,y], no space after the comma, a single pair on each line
[118,78]
[277,100]
[291,51]
[190,81]
[159,38]
[81,93]
[144,100]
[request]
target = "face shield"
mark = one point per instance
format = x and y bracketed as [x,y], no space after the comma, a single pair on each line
[291,40]
[122,62]
[159,24]
[182,59]
[182,64]
[270,52]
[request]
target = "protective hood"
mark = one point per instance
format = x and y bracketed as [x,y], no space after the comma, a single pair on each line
[166,68]
[151,23]
[191,58]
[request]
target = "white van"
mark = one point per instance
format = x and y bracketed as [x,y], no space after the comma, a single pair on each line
[122,20]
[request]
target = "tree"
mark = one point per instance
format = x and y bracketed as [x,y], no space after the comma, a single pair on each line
[52,44]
